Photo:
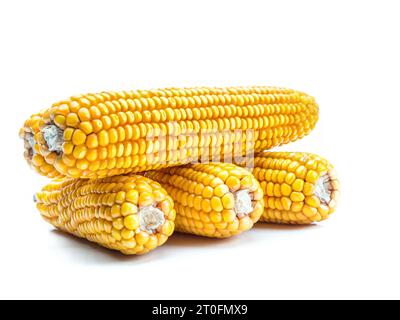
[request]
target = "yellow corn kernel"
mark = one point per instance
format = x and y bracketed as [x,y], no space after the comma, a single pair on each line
[86,127]
[228,201]
[120,197]
[145,199]
[127,234]
[303,190]
[207,192]
[235,204]
[132,196]
[118,224]
[286,190]
[102,211]
[309,211]
[72,120]
[297,197]
[131,222]
[216,204]
[308,189]
[298,185]
[79,137]
[142,238]
[221,190]
[128,208]
[312,176]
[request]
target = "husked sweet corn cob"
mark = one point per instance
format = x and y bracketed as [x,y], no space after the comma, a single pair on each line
[131,214]
[299,188]
[113,133]
[214,200]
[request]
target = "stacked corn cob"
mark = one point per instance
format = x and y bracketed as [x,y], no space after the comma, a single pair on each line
[94,144]
[299,188]
[132,214]
[216,200]
[113,133]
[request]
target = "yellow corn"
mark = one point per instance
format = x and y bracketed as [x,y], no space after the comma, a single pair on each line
[130,214]
[299,188]
[214,200]
[113,133]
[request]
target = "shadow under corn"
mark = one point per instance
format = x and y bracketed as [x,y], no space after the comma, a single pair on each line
[286,227]
[84,251]
[189,240]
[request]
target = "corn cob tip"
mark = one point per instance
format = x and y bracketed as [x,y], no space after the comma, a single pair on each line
[243,205]
[299,188]
[150,219]
[54,138]
[324,188]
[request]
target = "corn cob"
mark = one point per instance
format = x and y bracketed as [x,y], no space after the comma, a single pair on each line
[299,188]
[113,133]
[131,214]
[215,200]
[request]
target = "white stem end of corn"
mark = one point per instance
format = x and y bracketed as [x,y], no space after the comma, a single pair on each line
[243,205]
[323,188]
[54,138]
[150,219]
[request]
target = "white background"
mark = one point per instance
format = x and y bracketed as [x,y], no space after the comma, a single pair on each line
[345,53]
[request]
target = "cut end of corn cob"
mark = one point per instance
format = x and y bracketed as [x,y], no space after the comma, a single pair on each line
[324,188]
[114,133]
[243,205]
[38,158]
[53,137]
[150,219]
[299,188]
[133,215]
[214,200]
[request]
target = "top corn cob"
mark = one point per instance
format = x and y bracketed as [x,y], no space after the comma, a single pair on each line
[112,133]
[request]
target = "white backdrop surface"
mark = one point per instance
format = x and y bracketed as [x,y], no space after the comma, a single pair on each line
[345,53]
